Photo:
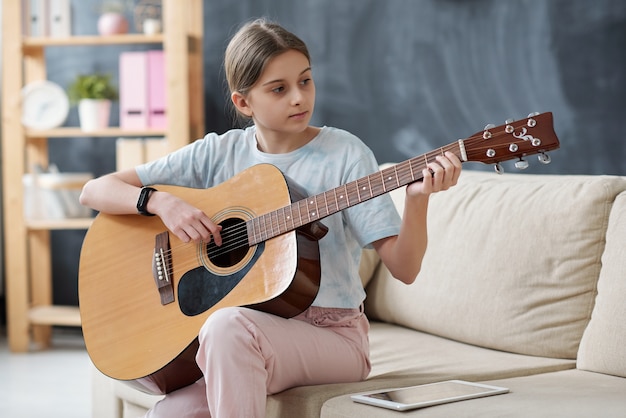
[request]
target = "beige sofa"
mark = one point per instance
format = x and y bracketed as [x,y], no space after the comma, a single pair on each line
[523,286]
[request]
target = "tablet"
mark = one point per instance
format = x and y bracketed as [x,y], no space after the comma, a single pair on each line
[403,399]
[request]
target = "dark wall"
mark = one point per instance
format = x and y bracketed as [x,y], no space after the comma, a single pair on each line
[408,76]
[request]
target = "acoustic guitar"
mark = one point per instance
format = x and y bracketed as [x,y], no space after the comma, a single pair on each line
[144,294]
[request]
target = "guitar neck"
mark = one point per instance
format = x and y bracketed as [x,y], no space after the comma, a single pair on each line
[314,208]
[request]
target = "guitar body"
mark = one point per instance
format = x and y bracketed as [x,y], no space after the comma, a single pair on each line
[133,333]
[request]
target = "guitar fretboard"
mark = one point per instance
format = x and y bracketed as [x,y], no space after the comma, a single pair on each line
[319,206]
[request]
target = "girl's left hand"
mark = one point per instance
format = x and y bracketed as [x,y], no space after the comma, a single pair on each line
[439,175]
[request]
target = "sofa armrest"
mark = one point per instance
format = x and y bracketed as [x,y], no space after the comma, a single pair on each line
[104,402]
[114,399]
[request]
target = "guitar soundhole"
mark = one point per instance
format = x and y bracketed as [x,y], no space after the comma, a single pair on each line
[234,244]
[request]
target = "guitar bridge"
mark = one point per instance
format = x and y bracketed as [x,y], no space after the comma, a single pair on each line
[162,268]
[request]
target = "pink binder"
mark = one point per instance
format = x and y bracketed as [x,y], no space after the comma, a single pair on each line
[157,117]
[133,90]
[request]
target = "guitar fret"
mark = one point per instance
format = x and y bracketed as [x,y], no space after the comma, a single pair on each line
[382,181]
[274,223]
[257,230]
[254,227]
[331,196]
[288,218]
[250,231]
[404,174]
[313,213]
[302,209]
[350,188]
[363,189]
[378,187]
[325,206]
[279,229]
[268,225]
[259,233]
[369,186]
[388,180]
[282,221]
[344,198]
[263,228]
[334,194]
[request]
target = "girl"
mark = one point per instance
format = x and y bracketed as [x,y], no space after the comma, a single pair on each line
[246,354]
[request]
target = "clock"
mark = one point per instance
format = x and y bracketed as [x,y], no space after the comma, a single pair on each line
[45,105]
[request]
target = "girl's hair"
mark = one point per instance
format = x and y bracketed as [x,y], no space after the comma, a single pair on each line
[252,47]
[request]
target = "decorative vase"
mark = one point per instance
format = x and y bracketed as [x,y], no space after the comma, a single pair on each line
[112,24]
[94,114]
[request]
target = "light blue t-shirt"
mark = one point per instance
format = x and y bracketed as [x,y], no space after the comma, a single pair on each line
[333,158]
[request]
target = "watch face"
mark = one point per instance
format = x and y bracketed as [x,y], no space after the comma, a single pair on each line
[44,105]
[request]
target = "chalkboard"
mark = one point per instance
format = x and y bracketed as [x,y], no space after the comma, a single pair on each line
[408,76]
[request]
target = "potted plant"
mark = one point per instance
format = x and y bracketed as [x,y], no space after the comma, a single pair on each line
[93,93]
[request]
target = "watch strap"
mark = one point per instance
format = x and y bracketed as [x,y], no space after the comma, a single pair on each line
[142,202]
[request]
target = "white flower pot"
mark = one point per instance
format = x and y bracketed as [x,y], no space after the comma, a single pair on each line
[94,114]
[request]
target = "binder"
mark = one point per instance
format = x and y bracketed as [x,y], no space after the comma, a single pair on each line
[157,118]
[59,18]
[35,14]
[133,90]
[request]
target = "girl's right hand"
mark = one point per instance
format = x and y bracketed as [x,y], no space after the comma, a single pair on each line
[187,222]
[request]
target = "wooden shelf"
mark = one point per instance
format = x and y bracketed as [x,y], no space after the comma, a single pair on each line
[27,256]
[58,224]
[55,315]
[75,132]
[92,40]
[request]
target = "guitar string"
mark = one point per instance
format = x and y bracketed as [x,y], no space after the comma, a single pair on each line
[406,166]
[237,241]
[236,236]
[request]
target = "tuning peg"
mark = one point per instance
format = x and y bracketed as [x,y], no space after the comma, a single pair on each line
[486,133]
[544,158]
[521,164]
[531,121]
[498,168]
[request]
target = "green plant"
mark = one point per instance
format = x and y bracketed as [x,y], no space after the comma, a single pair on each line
[116,6]
[92,86]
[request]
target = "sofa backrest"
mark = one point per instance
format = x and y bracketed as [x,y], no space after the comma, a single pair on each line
[603,345]
[512,263]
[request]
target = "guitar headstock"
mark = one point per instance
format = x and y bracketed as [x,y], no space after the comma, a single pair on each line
[514,139]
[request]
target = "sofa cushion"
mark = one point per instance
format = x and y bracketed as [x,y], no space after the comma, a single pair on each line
[602,346]
[403,357]
[569,393]
[369,263]
[512,263]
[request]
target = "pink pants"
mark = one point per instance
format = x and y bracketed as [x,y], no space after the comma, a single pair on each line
[246,355]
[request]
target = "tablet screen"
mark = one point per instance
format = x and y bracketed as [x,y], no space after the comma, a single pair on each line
[427,395]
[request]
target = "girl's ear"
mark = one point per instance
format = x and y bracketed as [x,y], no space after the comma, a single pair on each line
[241,103]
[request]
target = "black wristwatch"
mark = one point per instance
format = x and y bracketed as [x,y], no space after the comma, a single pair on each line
[142,202]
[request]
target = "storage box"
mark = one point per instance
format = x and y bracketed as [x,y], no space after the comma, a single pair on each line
[54,195]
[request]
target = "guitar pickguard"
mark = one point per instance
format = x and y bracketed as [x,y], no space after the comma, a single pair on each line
[199,289]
